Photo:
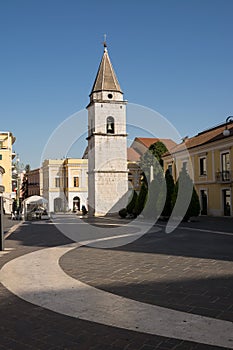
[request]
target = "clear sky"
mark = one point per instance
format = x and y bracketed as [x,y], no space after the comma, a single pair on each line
[174,56]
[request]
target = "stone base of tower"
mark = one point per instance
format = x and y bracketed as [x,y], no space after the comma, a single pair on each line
[108,193]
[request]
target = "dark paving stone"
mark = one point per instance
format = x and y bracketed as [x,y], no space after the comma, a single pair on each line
[169,287]
[171,270]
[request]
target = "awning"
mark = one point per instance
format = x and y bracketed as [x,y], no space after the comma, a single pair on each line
[35,200]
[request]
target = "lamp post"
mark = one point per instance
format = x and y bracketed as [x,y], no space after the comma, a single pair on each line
[226,131]
[2,189]
[18,169]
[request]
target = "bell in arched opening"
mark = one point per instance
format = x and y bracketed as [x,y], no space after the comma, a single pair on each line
[110,125]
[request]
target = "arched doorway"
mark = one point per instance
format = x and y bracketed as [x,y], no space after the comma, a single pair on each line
[76,204]
[57,204]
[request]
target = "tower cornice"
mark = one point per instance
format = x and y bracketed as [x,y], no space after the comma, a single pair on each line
[105,134]
[92,102]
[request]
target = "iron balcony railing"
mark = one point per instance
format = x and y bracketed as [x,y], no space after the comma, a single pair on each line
[224,176]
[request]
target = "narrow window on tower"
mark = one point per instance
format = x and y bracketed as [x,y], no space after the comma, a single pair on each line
[110,125]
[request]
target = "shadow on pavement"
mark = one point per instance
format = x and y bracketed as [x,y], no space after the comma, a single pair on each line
[41,234]
[199,286]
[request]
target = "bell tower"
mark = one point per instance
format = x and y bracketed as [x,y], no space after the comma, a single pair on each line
[107,143]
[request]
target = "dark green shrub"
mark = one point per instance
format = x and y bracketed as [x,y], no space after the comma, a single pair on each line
[194,206]
[167,210]
[131,206]
[141,199]
[123,213]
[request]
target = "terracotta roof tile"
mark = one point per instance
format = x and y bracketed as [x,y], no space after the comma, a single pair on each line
[148,141]
[132,155]
[202,138]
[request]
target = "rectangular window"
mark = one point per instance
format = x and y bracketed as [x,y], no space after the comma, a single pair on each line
[225,166]
[76,181]
[225,161]
[57,182]
[202,166]
[0,156]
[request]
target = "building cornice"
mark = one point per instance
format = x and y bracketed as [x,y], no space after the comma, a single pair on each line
[108,172]
[105,134]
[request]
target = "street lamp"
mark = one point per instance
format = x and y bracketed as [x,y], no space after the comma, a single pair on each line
[16,174]
[2,189]
[226,131]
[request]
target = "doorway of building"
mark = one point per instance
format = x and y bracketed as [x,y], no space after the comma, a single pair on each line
[76,204]
[227,202]
[204,203]
[57,204]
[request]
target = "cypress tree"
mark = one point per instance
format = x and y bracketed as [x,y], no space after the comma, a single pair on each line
[193,208]
[131,206]
[167,210]
[141,199]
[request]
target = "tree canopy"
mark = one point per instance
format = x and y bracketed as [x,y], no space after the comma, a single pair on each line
[153,158]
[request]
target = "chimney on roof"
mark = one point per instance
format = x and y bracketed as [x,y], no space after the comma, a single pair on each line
[184,138]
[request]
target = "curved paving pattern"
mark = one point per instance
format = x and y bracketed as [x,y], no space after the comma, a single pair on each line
[199,286]
[191,272]
[47,285]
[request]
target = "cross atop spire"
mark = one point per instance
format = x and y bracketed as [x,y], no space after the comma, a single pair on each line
[105,42]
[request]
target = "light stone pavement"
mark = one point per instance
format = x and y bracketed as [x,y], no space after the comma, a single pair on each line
[56,291]
[122,287]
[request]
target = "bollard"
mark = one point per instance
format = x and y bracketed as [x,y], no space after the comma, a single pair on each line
[1,225]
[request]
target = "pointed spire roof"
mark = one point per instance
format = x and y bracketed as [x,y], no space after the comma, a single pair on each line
[106,79]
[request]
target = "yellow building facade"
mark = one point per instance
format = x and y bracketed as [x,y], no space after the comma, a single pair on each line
[64,184]
[208,157]
[76,182]
[6,155]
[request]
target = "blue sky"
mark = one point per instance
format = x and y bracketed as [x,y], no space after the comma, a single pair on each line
[173,56]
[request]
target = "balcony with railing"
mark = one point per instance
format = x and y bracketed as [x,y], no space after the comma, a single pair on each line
[224,176]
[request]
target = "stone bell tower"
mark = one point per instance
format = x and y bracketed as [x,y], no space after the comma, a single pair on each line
[107,143]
